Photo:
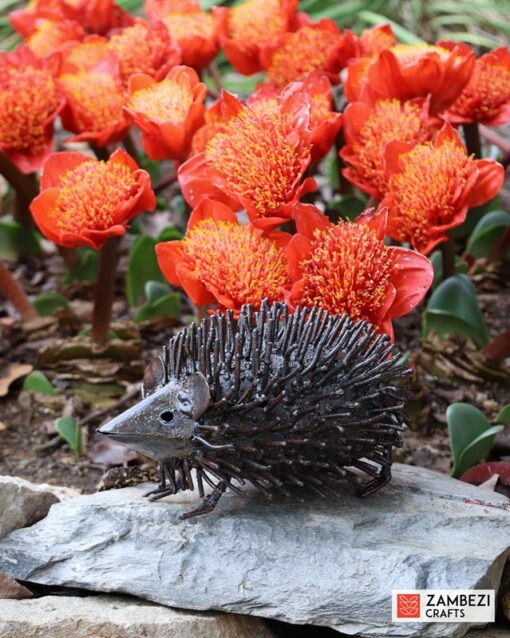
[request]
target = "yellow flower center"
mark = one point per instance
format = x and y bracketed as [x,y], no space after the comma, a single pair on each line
[348,272]
[28,96]
[256,21]
[90,193]
[167,101]
[236,261]
[260,156]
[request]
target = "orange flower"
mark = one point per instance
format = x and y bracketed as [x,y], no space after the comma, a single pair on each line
[50,35]
[29,104]
[368,128]
[408,71]
[376,39]
[83,201]
[144,48]
[85,55]
[313,47]
[94,104]
[347,268]
[95,16]
[167,112]
[431,187]
[194,30]
[324,122]
[486,98]
[221,261]
[258,163]
[217,117]
[249,27]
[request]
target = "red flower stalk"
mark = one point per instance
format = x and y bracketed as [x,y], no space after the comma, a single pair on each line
[168,112]
[324,122]
[95,16]
[194,30]
[376,39]
[222,262]
[432,186]
[258,163]
[249,27]
[29,103]
[408,71]
[313,47]
[94,104]
[145,48]
[217,117]
[11,289]
[369,127]
[84,201]
[347,268]
[486,98]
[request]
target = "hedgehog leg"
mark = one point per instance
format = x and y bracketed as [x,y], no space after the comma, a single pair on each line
[209,502]
[162,483]
[383,479]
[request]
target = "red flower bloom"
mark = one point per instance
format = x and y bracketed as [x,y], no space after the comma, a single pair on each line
[368,128]
[94,104]
[169,112]
[83,201]
[144,48]
[347,268]
[408,71]
[313,47]
[95,16]
[50,35]
[258,162]
[86,55]
[249,27]
[221,261]
[29,104]
[431,187]
[376,39]
[194,30]
[217,117]
[324,122]
[486,98]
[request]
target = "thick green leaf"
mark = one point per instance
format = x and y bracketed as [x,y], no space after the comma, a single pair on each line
[487,232]
[436,259]
[403,35]
[477,451]
[142,268]
[37,382]
[155,289]
[473,217]
[47,302]
[169,234]
[69,429]
[16,240]
[240,84]
[453,309]
[86,269]
[465,424]
[169,305]
[350,206]
[504,415]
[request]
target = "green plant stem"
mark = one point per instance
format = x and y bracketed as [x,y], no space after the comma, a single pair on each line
[26,188]
[498,349]
[448,259]
[13,291]
[105,288]
[344,185]
[131,147]
[472,137]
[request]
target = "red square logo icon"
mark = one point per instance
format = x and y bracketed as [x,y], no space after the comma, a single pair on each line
[408,605]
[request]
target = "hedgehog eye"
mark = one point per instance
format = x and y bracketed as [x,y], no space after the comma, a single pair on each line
[166,416]
[184,402]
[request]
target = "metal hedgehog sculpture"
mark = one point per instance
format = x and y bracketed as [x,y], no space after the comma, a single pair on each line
[279,400]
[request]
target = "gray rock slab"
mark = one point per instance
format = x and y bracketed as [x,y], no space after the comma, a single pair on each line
[22,503]
[332,563]
[118,617]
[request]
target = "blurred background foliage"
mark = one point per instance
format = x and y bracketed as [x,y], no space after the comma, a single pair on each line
[483,24]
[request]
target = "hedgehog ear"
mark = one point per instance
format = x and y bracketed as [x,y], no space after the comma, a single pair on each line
[195,397]
[154,377]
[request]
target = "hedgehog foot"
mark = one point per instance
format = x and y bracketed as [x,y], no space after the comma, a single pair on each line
[209,502]
[378,482]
